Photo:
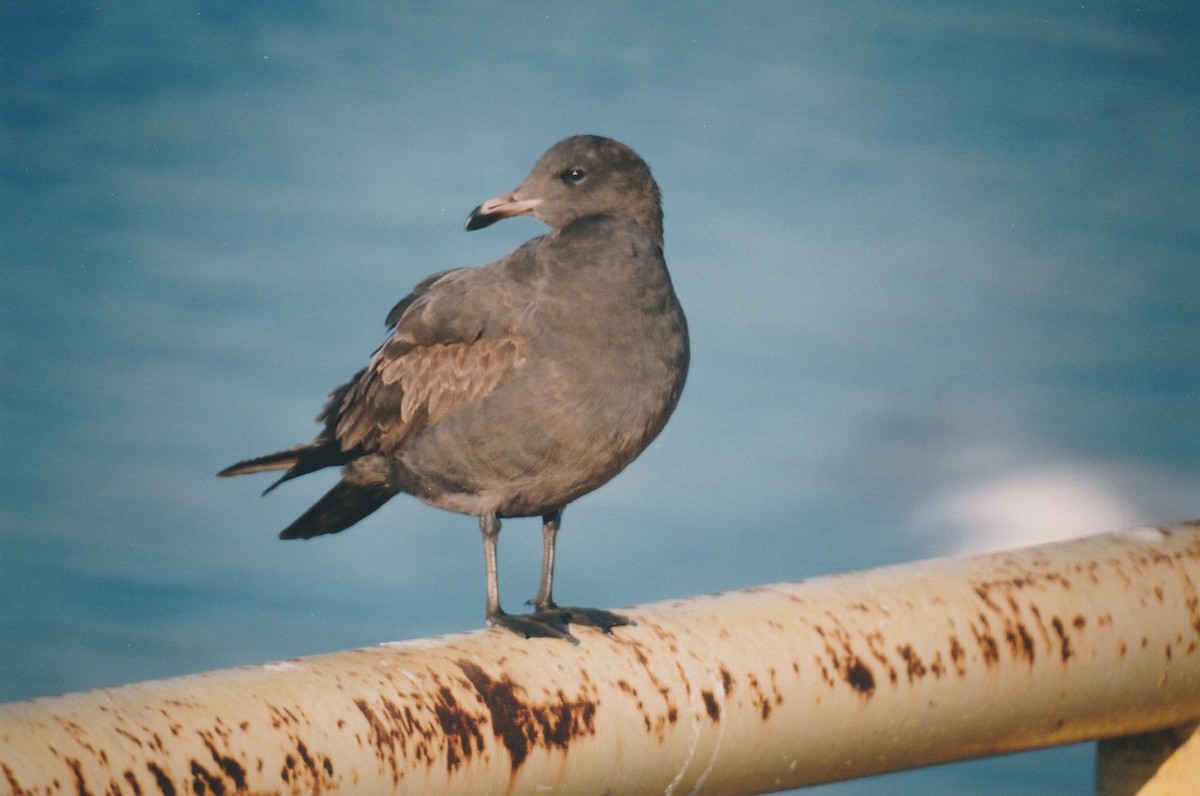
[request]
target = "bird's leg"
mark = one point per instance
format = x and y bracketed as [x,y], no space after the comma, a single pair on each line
[544,604]
[548,624]
[489,525]
[544,601]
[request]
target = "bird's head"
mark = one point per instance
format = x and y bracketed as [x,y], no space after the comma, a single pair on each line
[584,175]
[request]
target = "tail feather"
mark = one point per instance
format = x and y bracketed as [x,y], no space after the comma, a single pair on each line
[282,460]
[341,507]
[298,461]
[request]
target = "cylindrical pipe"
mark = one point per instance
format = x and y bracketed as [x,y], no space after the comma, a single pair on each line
[1160,763]
[744,692]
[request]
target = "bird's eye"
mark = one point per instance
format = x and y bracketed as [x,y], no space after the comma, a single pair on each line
[574,175]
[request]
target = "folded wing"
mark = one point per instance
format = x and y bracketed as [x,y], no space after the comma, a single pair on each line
[453,342]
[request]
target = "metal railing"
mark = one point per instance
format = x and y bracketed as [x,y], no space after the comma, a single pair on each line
[737,693]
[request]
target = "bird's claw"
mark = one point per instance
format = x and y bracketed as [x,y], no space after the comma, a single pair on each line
[551,621]
[587,617]
[539,624]
[594,617]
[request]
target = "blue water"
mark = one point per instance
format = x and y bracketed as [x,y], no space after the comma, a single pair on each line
[939,262]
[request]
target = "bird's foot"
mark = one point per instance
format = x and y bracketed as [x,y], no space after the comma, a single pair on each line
[589,617]
[595,617]
[549,623]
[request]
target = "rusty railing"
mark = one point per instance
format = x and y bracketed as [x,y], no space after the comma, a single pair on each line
[744,692]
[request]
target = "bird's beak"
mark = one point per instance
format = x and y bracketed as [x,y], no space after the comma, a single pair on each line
[504,206]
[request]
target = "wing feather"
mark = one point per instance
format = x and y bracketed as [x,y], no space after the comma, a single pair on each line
[439,357]
[396,397]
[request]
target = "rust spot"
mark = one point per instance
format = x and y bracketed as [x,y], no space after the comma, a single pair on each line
[775,687]
[641,706]
[726,681]
[986,642]
[825,675]
[295,769]
[13,784]
[875,643]
[281,717]
[1065,650]
[983,592]
[1026,642]
[1079,622]
[204,782]
[913,664]
[658,722]
[846,662]
[957,654]
[381,737]
[1193,600]
[136,741]
[134,785]
[710,705]
[519,724]
[165,786]
[81,787]
[1041,626]
[458,727]
[859,677]
[758,698]
[1020,643]
[229,767]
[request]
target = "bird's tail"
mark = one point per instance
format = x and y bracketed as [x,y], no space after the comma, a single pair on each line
[298,461]
[283,460]
[341,507]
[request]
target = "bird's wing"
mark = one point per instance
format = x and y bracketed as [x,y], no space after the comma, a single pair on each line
[456,338]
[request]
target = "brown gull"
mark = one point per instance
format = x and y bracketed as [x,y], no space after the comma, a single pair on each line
[512,389]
